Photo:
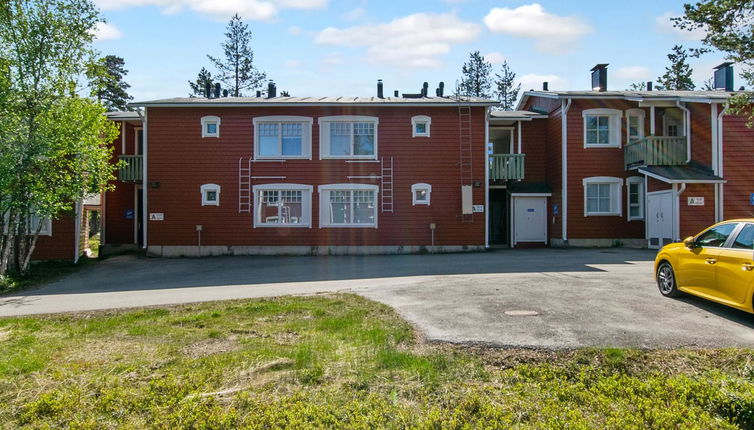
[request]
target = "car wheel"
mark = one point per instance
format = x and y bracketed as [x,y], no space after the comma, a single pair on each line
[666,280]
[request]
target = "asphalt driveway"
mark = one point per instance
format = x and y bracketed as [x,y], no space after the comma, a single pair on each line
[544,298]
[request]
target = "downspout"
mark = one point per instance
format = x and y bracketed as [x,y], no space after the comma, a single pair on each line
[686,128]
[652,124]
[486,181]
[720,160]
[145,184]
[714,136]
[564,107]
[77,232]
[677,210]
[519,137]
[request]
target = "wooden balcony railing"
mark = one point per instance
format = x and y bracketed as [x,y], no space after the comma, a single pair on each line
[132,170]
[506,167]
[656,151]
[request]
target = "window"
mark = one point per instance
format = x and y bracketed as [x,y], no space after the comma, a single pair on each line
[210,126]
[420,126]
[602,196]
[421,193]
[634,125]
[348,205]
[601,128]
[283,205]
[635,205]
[35,220]
[348,137]
[280,137]
[745,239]
[716,236]
[210,194]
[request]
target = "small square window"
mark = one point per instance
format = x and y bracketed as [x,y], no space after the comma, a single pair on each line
[421,194]
[212,128]
[420,126]
[210,194]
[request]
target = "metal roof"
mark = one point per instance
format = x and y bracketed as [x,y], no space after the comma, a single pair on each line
[316,101]
[123,116]
[516,115]
[689,96]
[688,174]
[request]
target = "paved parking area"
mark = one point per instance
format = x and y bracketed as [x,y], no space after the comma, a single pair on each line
[544,298]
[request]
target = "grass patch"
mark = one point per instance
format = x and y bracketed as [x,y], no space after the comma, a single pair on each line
[341,361]
[43,272]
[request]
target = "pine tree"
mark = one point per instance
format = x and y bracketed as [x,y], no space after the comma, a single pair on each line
[678,75]
[507,91]
[476,80]
[106,82]
[236,70]
[199,88]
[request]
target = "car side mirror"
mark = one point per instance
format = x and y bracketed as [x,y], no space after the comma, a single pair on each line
[689,242]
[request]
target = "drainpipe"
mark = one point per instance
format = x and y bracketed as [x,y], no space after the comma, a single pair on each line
[714,136]
[677,211]
[144,183]
[486,181]
[687,128]
[77,231]
[564,107]
[519,137]
[720,161]
[652,120]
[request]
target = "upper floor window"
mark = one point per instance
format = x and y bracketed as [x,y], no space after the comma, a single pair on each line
[210,194]
[348,137]
[421,194]
[634,125]
[348,205]
[210,126]
[283,205]
[420,126]
[602,196]
[282,137]
[601,128]
[635,202]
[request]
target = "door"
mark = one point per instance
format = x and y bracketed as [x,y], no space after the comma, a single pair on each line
[660,218]
[499,220]
[529,219]
[697,267]
[735,268]
[139,218]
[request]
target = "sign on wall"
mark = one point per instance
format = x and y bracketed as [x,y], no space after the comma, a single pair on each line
[696,201]
[129,214]
[156,216]
[478,208]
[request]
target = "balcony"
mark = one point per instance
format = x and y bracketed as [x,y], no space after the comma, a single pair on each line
[656,151]
[507,167]
[132,169]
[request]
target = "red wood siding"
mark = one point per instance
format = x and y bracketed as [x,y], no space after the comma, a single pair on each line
[701,133]
[181,161]
[61,245]
[534,145]
[738,167]
[696,218]
[657,185]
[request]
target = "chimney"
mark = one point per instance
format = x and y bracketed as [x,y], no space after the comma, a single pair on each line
[217,90]
[380,94]
[599,77]
[225,93]
[208,90]
[272,91]
[724,77]
[441,90]
[545,86]
[425,89]
[395,93]
[649,85]
[259,93]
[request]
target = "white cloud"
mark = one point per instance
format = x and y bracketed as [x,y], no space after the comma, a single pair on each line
[355,14]
[494,58]
[552,33]
[533,81]
[219,9]
[633,73]
[295,30]
[412,41]
[105,31]
[332,59]
[293,64]
[664,24]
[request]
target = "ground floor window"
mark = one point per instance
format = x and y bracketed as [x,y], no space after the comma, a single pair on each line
[602,196]
[635,198]
[282,205]
[348,205]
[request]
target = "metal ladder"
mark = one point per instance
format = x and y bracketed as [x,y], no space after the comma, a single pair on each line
[244,186]
[466,152]
[386,178]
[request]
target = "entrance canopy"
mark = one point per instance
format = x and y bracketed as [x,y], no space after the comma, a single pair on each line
[688,174]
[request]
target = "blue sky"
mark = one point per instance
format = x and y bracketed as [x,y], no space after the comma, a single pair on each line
[341,47]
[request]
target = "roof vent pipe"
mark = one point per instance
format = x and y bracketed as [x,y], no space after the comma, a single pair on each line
[599,77]
[649,85]
[545,86]
[395,93]
[208,90]
[225,93]
[380,94]
[425,89]
[259,93]
[217,90]
[271,90]
[441,90]
[724,77]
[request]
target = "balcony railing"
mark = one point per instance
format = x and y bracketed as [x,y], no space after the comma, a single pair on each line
[656,151]
[506,167]
[133,168]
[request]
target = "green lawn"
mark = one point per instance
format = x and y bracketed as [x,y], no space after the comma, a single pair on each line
[340,361]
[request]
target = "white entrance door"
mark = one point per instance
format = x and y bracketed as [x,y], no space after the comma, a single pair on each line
[660,218]
[529,219]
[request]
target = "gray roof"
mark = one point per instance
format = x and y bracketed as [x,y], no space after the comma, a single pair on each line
[690,173]
[317,101]
[123,116]
[517,115]
[690,96]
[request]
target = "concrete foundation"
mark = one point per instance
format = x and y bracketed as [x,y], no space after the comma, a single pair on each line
[206,251]
[599,243]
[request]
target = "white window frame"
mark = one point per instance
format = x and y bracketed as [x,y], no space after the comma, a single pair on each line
[306,136]
[324,204]
[637,181]
[616,186]
[204,189]
[306,204]
[46,225]
[635,113]
[324,135]
[419,187]
[614,124]
[205,121]
[418,119]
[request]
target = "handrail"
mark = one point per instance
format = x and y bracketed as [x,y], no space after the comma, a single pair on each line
[506,167]
[656,151]
[132,168]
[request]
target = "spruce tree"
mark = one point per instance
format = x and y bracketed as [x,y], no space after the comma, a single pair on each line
[678,74]
[106,82]
[236,70]
[506,88]
[476,78]
[199,87]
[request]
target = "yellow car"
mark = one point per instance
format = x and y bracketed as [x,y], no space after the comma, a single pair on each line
[717,264]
